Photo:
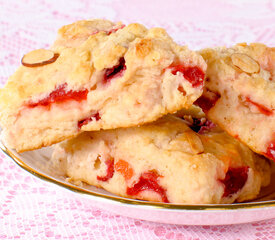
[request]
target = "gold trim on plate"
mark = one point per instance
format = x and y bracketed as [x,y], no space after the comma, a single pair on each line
[127,201]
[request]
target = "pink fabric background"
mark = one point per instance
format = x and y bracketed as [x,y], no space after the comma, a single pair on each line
[32,209]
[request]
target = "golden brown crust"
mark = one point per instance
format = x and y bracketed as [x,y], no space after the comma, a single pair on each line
[125,72]
[75,34]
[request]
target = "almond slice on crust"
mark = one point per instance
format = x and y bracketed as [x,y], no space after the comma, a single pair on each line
[38,58]
[245,63]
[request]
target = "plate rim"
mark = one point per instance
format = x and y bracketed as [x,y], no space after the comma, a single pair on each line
[134,202]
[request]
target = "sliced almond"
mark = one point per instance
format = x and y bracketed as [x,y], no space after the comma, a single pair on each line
[187,142]
[245,63]
[194,142]
[38,58]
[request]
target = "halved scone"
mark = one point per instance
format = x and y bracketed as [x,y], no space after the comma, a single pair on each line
[121,77]
[239,94]
[165,161]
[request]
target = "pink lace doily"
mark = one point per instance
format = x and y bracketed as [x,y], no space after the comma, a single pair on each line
[32,209]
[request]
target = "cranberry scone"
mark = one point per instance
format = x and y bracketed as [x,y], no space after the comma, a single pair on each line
[165,161]
[121,77]
[239,94]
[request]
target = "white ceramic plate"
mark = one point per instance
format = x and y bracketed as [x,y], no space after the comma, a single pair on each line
[37,163]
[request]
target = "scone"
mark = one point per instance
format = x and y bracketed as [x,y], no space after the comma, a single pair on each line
[102,79]
[165,161]
[239,94]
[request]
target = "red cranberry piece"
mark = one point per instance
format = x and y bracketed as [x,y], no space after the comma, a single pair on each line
[110,170]
[237,137]
[270,151]
[207,101]
[95,32]
[60,94]
[194,74]
[85,121]
[234,180]
[148,181]
[180,89]
[264,110]
[115,29]
[202,125]
[207,125]
[116,71]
